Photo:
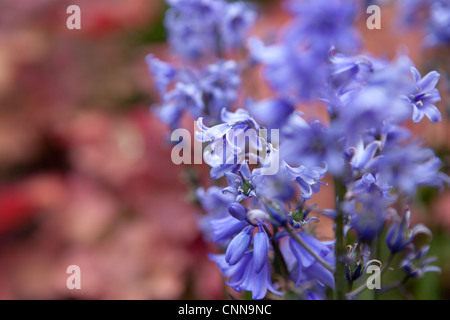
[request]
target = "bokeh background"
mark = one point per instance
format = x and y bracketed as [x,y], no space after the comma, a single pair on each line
[85,170]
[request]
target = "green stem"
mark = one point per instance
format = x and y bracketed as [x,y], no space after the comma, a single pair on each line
[340,252]
[280,263]
[310,251]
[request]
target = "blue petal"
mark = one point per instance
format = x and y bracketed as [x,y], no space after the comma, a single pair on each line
[223,229]
[260,249]
[429,81]
[238,246]
[432,113]
[417,114]
[238,211]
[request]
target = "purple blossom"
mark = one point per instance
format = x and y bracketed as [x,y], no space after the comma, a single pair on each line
[273,187]
[240,183]
[424,96]
[416,263]
[364,145]
[438,24]
[311,145]
[248,268]
[239,245]
[215,203]
[400,236]
[271,113]
[302,265]
[349,73]
[308,179]
[164,73]
[227,149]
[243,276]
[410,166]
[370,184]
[363,157]
[236,23]
[204,29]
[202,92]
[367,216]
[295,75]
[321,24]
[185,96]
[220,84]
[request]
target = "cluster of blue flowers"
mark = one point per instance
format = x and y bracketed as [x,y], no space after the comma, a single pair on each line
[264,223]
[433,16]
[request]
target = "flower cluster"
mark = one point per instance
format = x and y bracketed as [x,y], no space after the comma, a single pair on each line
[431,15]
[264,221]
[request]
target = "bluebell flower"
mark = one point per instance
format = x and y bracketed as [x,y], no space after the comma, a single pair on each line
[302,265]
[276,211]
[438,24]
[239,245]
[184,97]
[370,184]
[226,228]
[363,146]
[220,84]
[400,236]
[364,110]
[215,203]
[273,187]
[411,12]
[359,107]
[431,15]
[321,24]
[354,262]
[394,75]
[231,142]
[261,246]
[424,96]
[235,272]
[244,276]
[311,145]
[410,166]
[391,135]
[367,216]
[307,179]
[252,271]
[163,73]
[238,211]
[239,219]
[202,92]
[416,263]
[240,183]
[295,76]
[192,27]
[201,30]
[236,23]
[271,113]
[349,73]
[363,157]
